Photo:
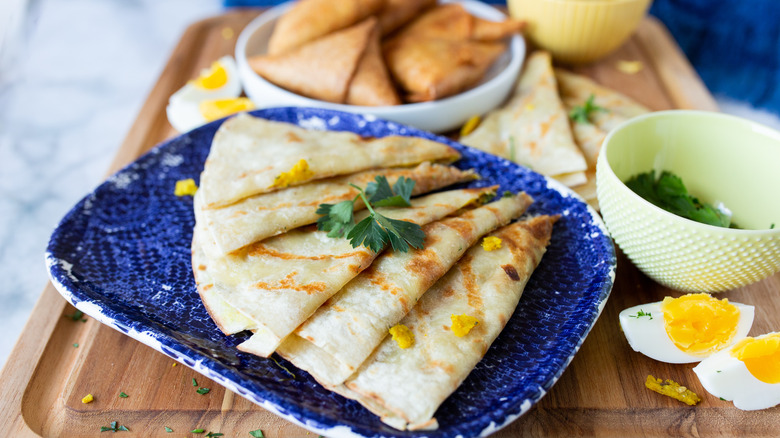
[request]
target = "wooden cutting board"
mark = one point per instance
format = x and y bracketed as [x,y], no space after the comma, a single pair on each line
[601,393]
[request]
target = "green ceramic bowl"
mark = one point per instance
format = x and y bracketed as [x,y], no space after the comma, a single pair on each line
[720,158]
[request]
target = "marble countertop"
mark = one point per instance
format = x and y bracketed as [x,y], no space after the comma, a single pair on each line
[73,76]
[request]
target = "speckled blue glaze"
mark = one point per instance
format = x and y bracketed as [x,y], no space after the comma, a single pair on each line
[122,256]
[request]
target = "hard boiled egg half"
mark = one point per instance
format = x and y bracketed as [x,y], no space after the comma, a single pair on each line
[214,94]
[685,329]
[747,373]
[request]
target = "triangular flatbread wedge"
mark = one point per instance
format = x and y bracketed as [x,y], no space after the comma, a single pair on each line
[261,216]
[429,69]
[396,13]
[371,85]
[308,20]
[279,282]
[406,386]
[342,333]
[332,58]
[249,155]
[533,127]
[575,90]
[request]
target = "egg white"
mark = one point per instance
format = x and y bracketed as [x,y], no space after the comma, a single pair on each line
[728,378]
[183,108]
[648,336]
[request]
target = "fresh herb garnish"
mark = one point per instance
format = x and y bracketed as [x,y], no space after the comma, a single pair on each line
[376,230]
[722,398]
[76,345]
[114,428]
[168,429]
[507,194]
[640,314]
[202,391]
[581,114]
[282,366]
[213,434]
[668,192]
[197,430]
[257,433]
[772,226]
[123,395]
[194,382]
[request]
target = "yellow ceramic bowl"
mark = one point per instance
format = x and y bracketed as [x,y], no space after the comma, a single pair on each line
[720,158]
[579,31]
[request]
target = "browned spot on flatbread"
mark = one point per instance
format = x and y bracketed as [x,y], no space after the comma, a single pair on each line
[207,287]
[259,249]
[464,228]
[511,272]
[293,138]
[202,267]
[446,293]
[444,366]
[469,282]
[253,172]
[238,213]
[425,265]
[337,308]
[288,282]
[380,280]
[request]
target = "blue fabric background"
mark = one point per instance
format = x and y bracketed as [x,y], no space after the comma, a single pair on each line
[734,45]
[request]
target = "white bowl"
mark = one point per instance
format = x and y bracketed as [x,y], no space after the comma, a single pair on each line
[437,116]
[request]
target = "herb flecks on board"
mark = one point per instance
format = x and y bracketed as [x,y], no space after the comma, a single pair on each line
[376,230]
[581,114]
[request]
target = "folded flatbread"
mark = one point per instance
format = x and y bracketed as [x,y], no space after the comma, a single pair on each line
[279,282]
[258,217]
[308,20]
[532,129]
[406,386]
[249,153]
[320,69]
[575,90]
[396,13]
[371,84]
[342,333]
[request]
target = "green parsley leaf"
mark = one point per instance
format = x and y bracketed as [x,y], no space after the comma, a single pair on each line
[581,114]
[168,429]
[123,428]
[507,194]
[77,315]
[772,226]
[376,230]
[381,195]
[197,431]
[257,433]
[194,382]
[669,193]
[113,424]
[105,429]
[337,219]
[213,434]
[640,314]
[202,391]
[722,398]
[76,345]
[123,395]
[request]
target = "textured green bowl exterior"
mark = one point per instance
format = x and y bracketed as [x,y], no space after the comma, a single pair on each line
[720,158]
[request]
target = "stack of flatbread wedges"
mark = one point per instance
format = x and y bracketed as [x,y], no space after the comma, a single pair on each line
[534,128]
[260,263]
[337,51]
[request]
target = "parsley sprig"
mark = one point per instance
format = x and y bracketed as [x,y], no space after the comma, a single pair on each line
[581,114]
[669,192]
[114,428]
[376,230]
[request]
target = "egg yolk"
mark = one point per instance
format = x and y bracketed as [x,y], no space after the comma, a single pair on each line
[761,357]
[214,109]
[215,77]
[462,324]
[402,335]
[699,324]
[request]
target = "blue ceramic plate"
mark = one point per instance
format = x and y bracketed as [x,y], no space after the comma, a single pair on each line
[122,256]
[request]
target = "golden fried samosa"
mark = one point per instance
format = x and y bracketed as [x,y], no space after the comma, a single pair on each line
[309,20]
[453,22]
[429,69]
[333,58]
[397,13]
[371,84]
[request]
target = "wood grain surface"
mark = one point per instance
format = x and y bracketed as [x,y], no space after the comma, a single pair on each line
[600,394]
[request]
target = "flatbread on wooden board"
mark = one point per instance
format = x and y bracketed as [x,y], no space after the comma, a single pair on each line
[406,386]
[320,69]
[343,332]
[532,129]
[261,216]
[575,90]
[308,20]
[248,154]
[281,281]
